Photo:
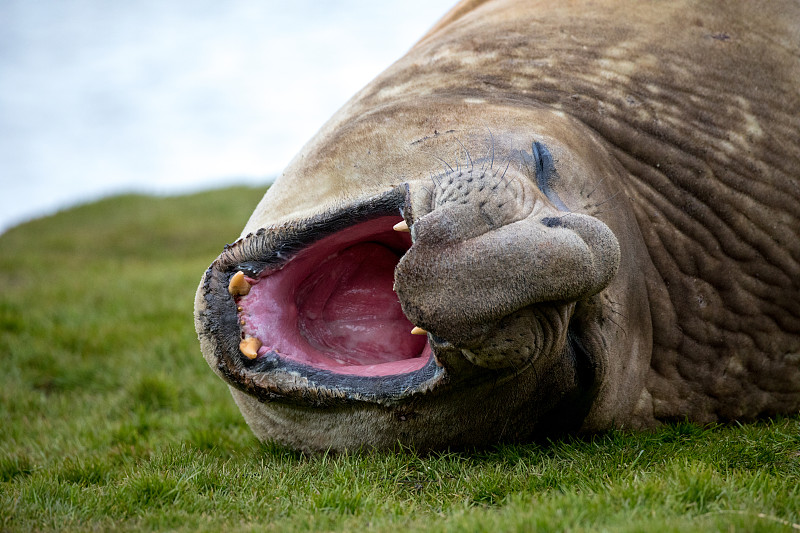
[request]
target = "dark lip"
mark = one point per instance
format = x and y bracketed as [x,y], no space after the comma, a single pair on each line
[271,377]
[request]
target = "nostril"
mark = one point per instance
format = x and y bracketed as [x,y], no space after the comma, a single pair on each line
[553,222]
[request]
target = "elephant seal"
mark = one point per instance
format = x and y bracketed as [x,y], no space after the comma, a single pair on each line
[603,201]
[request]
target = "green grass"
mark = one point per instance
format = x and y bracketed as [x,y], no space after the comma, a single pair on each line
[110,418]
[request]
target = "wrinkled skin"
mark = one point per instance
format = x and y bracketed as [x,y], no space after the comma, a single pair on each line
[604,210]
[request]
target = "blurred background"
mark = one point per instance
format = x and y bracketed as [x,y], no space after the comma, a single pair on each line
[99,97]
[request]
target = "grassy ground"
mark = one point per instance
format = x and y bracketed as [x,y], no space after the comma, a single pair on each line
[110,418]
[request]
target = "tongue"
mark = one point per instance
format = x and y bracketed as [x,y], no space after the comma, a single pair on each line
[347,308]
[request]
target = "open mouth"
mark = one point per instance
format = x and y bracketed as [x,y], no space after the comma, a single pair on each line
[306,310]
[332,306]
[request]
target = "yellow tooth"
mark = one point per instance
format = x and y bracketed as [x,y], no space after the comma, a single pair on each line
[418,331]
[249,347]
[238,285]
[401,226]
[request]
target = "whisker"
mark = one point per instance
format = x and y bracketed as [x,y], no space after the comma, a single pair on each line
[615,323]
[608,199]
[465,151]
[618,313]
[596,185]
[491,164]
[445,163]
[491,136]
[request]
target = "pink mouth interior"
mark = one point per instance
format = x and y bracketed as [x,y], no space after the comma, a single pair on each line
[332,307]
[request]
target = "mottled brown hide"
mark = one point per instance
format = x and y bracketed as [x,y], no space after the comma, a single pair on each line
[604,208]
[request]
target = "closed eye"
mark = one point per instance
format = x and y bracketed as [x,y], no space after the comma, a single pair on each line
[542,162]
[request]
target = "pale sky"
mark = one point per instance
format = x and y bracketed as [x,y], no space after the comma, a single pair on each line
[99,97]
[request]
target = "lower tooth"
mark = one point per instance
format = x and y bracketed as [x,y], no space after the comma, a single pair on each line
[249,347]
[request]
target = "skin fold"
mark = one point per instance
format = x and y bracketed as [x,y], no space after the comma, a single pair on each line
[603,201]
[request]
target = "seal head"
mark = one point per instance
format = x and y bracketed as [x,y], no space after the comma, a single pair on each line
[504,279]
[602,204]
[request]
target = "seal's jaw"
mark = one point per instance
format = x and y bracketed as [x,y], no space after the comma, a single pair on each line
[306,311]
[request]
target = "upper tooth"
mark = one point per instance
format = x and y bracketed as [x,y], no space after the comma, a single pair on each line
[238,286]
[418,331]
[401,226]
